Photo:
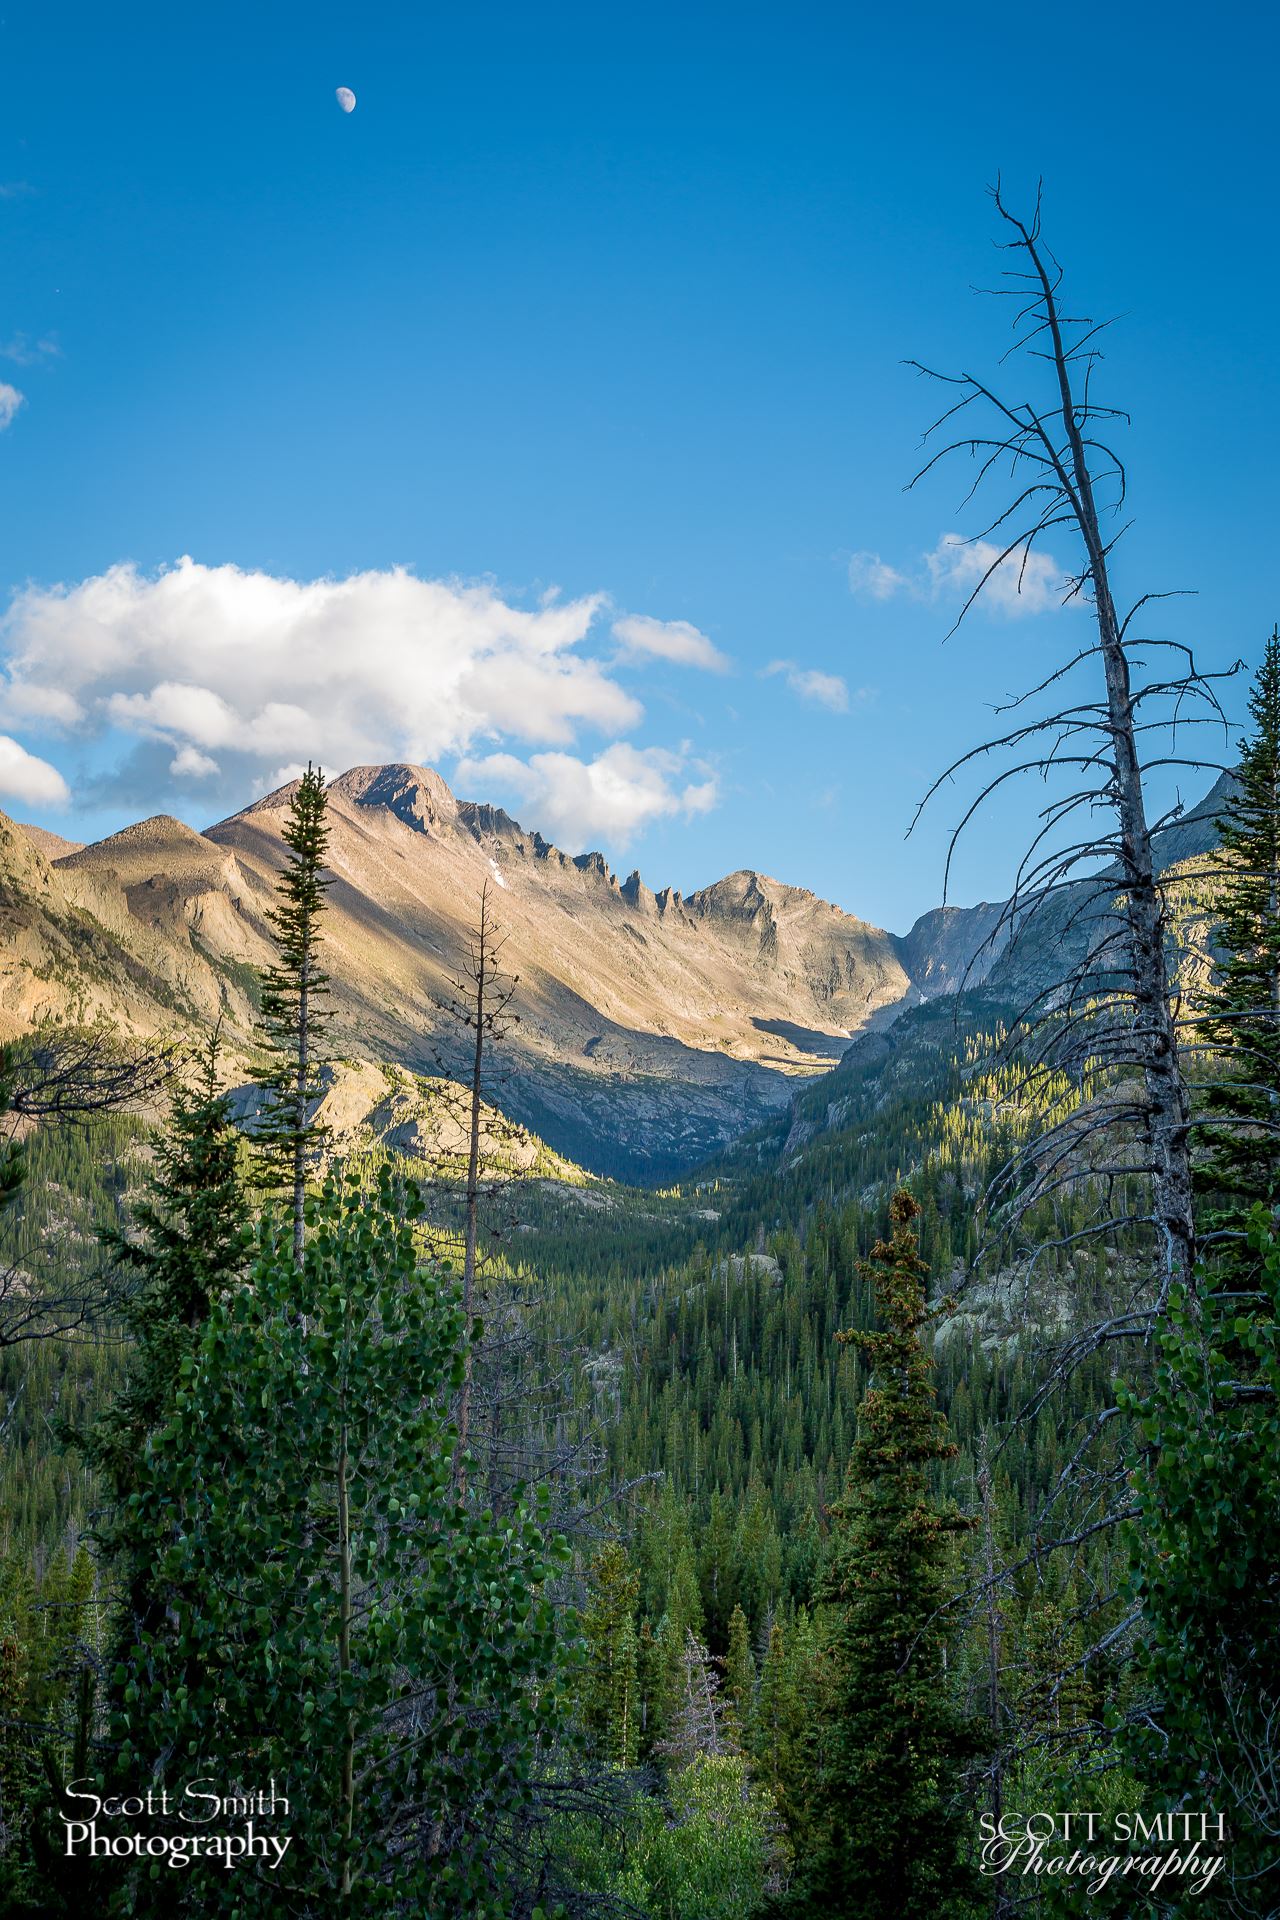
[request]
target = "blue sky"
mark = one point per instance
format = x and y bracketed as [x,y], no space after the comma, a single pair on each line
[591,323]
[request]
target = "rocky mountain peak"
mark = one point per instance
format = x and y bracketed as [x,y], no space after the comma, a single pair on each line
[485,821]
[744,895]
[636,894]
[416,795]
[596,866]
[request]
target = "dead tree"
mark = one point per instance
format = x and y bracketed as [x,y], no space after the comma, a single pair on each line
[72,1074]
[523,1412]
[485,1016]
[698,1712]
[1090,877]
[61,1076]
[480,1003]
[1089,886]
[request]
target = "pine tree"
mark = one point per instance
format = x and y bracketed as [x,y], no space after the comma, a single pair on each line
[1204,1552]
[886,1839]
[51,1671]
[681,1619]
[610,1693]
[1054,1697]
[739,1679]
[293,1012]
[1242,1020]
[190,1242]
[778,1725]
[1208,1480]
[19,1759]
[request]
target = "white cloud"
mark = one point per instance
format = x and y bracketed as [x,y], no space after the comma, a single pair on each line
[827,689]
[810,683]
[172,710]
[24,777]
[1024,583]
[612,797]
[674,640]
[10,401]
[235,679]
[190,763]
[46,705]
[873,578]
[263,670]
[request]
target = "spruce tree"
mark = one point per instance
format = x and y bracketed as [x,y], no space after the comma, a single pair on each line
[739,1679]
[681,1618]
[1207,1484]
[886,1838]
[1242,1022]
[189,1242]
[1205,1550]
[610,1689]
[293,1006]
[778,1724]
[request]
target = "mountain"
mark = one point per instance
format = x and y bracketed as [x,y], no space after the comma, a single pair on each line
[654,1028]
[952,948]
[51,845]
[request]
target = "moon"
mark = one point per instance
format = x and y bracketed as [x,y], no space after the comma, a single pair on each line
[345,99]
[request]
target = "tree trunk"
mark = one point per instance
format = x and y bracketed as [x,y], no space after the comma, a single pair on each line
[473,1182]
[1144,911]
[300,1109]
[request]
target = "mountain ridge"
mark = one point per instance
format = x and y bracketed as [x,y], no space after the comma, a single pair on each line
[655,1027]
